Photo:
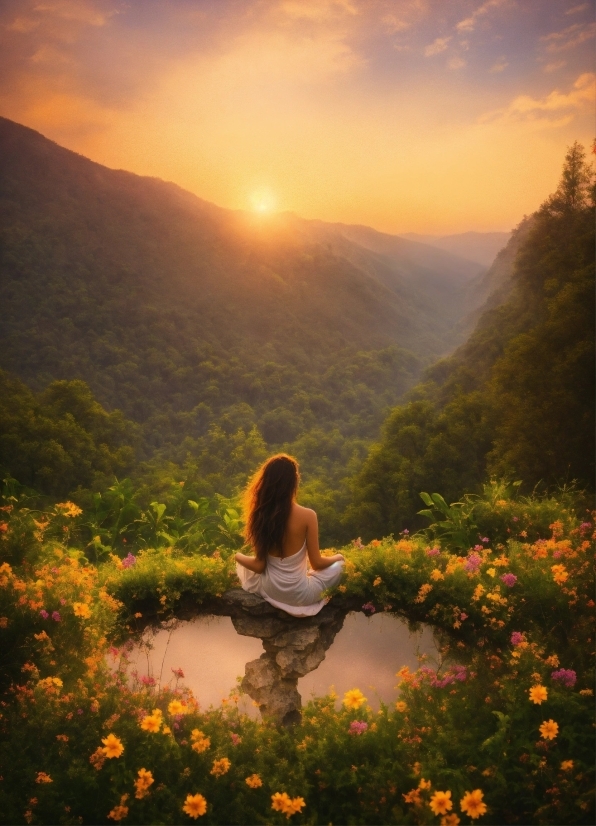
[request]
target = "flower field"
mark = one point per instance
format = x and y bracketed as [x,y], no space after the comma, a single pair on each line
[500,731]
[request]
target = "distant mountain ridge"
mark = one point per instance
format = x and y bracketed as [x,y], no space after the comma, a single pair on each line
[481,247]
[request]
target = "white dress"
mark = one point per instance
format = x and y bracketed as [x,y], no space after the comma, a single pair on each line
[287,583]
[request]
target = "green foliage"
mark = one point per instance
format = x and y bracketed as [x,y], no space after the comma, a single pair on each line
[466,723]
[517,400]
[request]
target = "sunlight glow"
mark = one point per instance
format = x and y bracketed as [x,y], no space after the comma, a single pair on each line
[263,201]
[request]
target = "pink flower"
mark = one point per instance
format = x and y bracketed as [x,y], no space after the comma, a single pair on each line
[509,580]
[178,672]
[565,676]
[129,560]
[44,613]
[357,727]
[56,616]
[473,562]
[236,739]
[463,617]
[433,551]
[517,638]
[368,606]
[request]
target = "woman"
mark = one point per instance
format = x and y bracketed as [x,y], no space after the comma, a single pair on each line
[282,533]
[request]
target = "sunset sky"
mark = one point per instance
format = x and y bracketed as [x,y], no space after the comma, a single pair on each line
[433,116]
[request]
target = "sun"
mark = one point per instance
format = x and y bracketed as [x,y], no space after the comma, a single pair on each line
[263,202]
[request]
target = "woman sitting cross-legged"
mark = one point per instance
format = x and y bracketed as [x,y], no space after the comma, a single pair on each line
[282,534]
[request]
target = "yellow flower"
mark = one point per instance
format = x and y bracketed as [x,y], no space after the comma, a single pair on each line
[472,805]
[401,706]
[195,805]
[81,610]
[549,729]
[118,812]
[450,820]
[280,802]
[142,783]
[490,572]
[254,781]
[424,784]
[377,581]
[440,803]
[354,698]
[112,746]
[560,574]
[69,509]
[220,767]
[166,730]
[538,694]
[436,574]
[151,723]
[423,592]
[42,777]
[200,742]
[567,765]
[176,707]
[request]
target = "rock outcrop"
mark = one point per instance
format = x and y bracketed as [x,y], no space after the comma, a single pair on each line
[293,647]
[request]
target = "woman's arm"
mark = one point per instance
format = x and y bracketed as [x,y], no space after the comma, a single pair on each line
[317,561]
[251,562]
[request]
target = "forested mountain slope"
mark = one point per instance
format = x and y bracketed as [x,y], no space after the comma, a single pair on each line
[175,310]
[517,399]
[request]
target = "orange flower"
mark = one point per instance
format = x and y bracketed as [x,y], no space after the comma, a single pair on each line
[220,767]
[440,803]
[254,781]
[538,694]
[118,812]
[567,766]
[413,797]
[450,820]
[284,803]
[42,777]
[560,574]
[401,706]
[549,729]
[195,805]
[112,746]
[424,784]
[151,723]
[142,783]
[81,610]
[472,805]
[176,707]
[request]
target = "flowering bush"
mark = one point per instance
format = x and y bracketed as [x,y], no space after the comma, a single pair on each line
[499,731]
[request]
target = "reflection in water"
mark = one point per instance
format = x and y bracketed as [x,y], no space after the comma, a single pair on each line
[302,657]
[366,654]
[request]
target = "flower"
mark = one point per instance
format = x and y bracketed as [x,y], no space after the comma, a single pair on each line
[436,574]
[220,767]
[42,777]
[472,805]
[538,694]
[566,676]
[56,616]
[112,746]
[433,551]
[129,561]
[368,606]
[98,758]
[236,739]
[151,723]
[401,706]
[142,783]
[472,563]
[284,803]
[178,673]
[560,574]
[424,784]
[549,729]
[176,707]
[357,727]
[254,781]
[354,698]
[69,509]
[450,820]
[440,803]
[195,805]
[118,812]
[413,797]
[81,610]
[490,572]
[44,614]
[377,581]
[567,766]
[517,638]
[508,579]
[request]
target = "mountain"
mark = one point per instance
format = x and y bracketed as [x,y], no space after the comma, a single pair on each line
[164,303]
[481,247]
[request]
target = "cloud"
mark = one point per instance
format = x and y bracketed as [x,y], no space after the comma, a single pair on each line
[568,38]
[456,62]
[23,25]
[315,10]
[437,46]
[556,109]
[393,24]
[469,24]
[578,9]
[79,11]
[553,67]
[499,66]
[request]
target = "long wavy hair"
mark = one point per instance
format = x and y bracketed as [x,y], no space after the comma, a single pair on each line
[268,502]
